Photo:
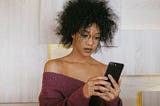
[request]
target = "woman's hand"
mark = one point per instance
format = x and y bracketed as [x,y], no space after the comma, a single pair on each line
[95,86]
[113,92]
[98,86]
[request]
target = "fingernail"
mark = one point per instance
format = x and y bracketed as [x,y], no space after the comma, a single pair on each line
[106,78]
[109,75]
[107,89]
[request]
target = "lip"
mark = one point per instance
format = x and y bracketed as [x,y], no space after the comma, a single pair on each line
[88,50]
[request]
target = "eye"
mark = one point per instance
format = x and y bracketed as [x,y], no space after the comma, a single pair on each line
[97,37]
[84,35]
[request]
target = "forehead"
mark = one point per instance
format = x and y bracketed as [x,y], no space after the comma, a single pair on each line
[91,28]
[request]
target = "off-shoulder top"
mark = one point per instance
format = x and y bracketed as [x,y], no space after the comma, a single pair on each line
[60,90]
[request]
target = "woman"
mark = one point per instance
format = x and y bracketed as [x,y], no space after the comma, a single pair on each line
[77,79]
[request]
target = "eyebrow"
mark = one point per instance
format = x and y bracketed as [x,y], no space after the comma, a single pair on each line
[88,31]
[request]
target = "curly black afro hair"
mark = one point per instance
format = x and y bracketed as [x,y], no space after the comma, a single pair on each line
[79,14]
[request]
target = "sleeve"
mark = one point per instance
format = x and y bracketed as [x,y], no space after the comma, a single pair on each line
[52,95]
[116,102]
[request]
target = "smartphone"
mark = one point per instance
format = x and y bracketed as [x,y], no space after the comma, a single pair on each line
[115,70]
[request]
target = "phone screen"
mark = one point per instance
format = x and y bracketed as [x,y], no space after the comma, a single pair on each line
[114,69]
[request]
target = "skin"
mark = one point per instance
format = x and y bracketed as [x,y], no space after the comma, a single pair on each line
[81,66]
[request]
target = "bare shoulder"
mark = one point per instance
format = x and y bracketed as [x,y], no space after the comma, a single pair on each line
[101,66]
[100,63]
[53,66]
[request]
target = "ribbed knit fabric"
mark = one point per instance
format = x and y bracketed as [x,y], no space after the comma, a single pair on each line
[61,90]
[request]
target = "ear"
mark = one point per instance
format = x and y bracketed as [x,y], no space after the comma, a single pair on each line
[73,36]
[73,39]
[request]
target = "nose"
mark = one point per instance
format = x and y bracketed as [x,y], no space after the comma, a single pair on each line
[90,41]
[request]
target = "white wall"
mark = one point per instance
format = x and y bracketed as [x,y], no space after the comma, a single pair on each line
[138,50]
[140,14]
[21,54]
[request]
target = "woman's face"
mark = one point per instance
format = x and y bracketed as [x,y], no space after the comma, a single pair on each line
[86,40]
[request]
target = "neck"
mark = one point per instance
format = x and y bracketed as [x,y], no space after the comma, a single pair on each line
[76,57]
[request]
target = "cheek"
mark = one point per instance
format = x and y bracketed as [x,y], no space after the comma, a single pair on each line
[80,40]
[95,47]
[79,43]
[97,44]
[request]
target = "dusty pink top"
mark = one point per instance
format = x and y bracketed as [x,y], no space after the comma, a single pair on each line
[61,90]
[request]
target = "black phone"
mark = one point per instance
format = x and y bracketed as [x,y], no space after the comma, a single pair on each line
[115,70]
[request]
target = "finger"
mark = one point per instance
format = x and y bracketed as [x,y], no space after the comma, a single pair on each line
[120,81]
[114,83]
[101,94]
[101,82]
[98,78]
[114,91]
[96,91]
[101,89]
[97,83]
[108,96]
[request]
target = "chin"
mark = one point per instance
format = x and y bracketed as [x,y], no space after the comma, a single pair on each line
[87,54]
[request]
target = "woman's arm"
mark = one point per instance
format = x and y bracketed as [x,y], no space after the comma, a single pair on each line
[53,94]
[75,99]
